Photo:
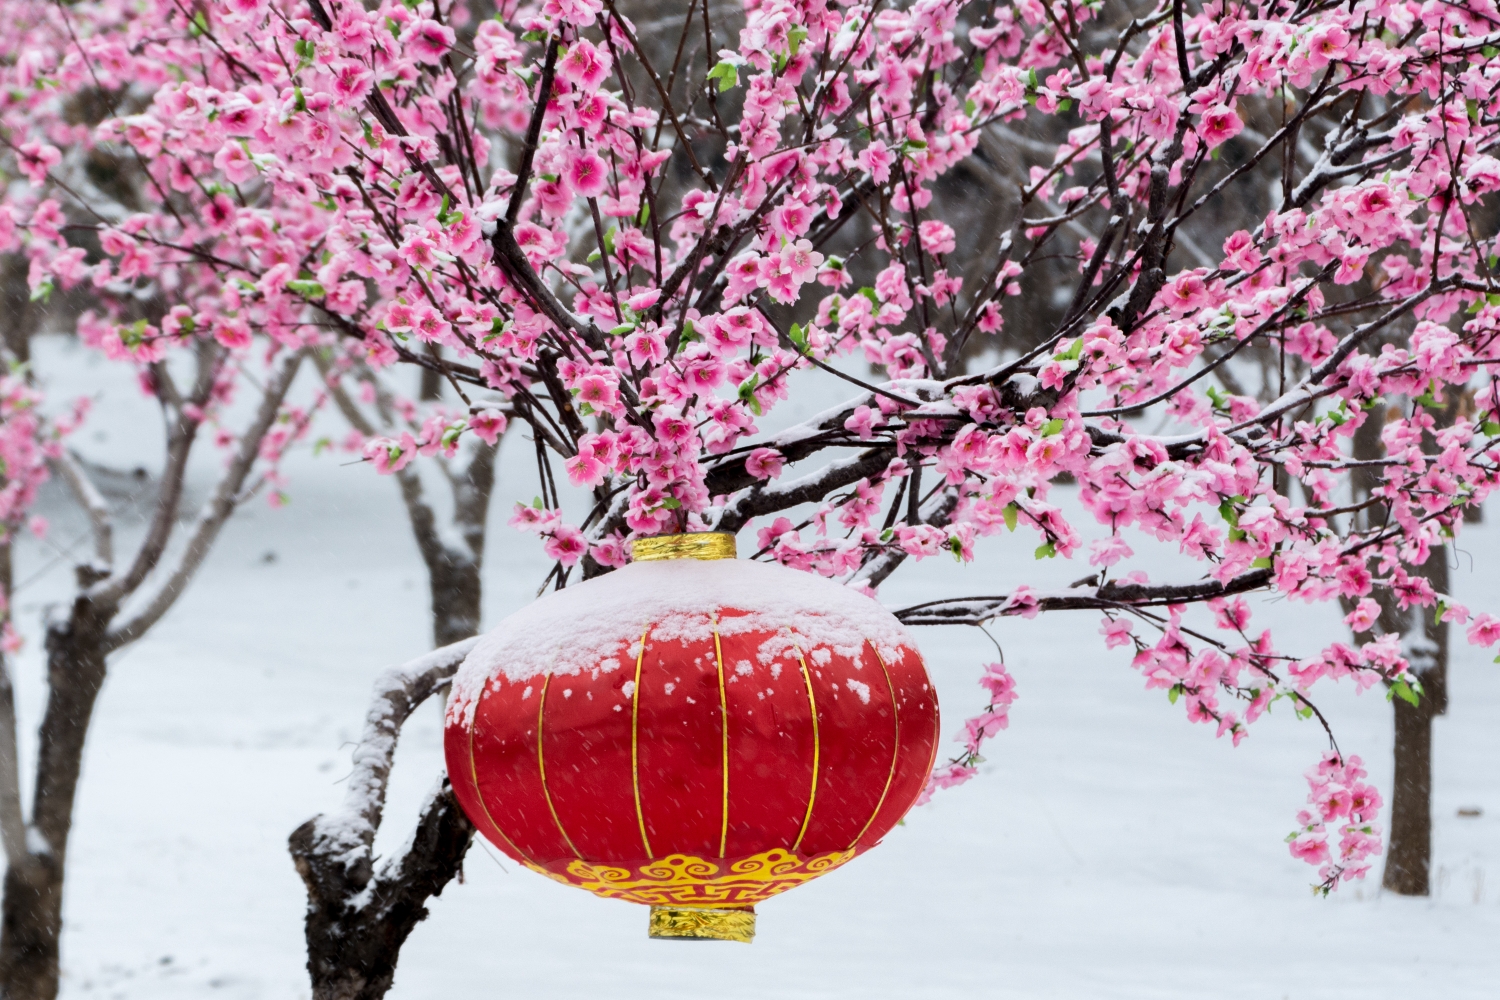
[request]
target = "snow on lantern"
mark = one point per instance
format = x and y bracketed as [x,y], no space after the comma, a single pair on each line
[692,732]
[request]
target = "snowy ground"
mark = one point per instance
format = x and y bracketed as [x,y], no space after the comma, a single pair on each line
[1109,849]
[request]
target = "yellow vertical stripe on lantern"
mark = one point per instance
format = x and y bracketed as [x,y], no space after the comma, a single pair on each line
[541,765]
[724,729]
[895,750]
[485,806]
[812,794]
[635,756]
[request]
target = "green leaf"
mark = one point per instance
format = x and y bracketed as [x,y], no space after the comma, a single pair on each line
[306,51]
[1053,426]
[622,330]
[1230,513]
[306,289]
[1429,398]
[537,503]
[199,25]
[671,503]
[1264,562]
[747,394]
[1403,690]
[1174,692]
[1046,551]
[42,292]
[1073,353]
[534,36]
[795,38]
[1491,428]
[726,76]
[1011,513]
[798,337]
[1067,102]
[1473,108]
[869,293]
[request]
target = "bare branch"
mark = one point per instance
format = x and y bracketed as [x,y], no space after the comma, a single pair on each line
[92,501]
[1111,594]
[215,512]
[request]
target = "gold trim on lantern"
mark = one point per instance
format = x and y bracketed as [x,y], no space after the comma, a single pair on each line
[683,880]
[703,925]
[895,750]
[541,766]
[635,755]
[724,733]
[812,793]
[706,545]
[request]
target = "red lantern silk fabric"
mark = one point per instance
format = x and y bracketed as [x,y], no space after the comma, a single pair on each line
[712,755]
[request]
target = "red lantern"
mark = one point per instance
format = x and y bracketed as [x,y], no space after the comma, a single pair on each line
[692,732]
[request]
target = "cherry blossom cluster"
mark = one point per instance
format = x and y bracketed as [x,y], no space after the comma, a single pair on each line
[637,242]
[1340,803]
[987,724]
[27,441]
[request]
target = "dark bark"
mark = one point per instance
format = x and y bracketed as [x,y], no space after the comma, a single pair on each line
[357,924]
[1409,855]
[455,598]
[358,915]
[31,912]
[1408,859]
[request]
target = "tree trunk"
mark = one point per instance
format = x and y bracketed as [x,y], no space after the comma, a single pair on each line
[356,925]
[455,598]
[1425,642]
[31,912]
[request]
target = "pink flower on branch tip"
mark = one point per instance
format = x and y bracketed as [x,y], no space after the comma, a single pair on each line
[566,544]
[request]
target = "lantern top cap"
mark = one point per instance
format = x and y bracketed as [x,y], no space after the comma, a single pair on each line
[705,545]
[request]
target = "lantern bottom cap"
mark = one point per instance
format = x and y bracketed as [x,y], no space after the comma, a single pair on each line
[702,923]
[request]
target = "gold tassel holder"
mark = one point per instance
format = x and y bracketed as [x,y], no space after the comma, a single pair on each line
[706,545]
[701,924]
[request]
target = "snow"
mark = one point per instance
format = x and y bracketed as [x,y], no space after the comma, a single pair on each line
[1107,849]
[593,625]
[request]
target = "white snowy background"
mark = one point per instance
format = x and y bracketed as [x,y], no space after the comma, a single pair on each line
[1108,848]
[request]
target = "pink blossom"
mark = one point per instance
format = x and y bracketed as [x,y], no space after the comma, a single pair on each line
[1485,631]
[587,174]
[1116,632]
[1218,125]
[566,544]
[1364,616]
[861,422]
[488,424]
[428,41]
[764,463]
[584,65]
